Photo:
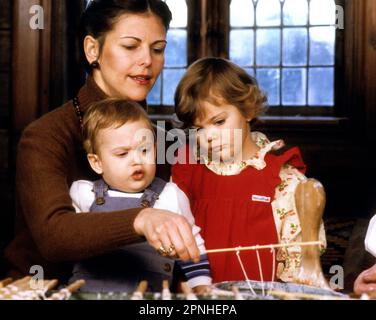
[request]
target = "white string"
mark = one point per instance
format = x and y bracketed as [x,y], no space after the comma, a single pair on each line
[272,250]
[244,272]
[260,271]
[273,272]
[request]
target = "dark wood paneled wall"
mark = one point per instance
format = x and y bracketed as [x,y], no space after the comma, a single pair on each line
[6,190]
[5,58]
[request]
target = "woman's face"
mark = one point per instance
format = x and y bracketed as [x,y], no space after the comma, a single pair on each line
[132,57]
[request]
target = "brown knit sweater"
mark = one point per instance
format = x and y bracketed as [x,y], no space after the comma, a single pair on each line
[48,231]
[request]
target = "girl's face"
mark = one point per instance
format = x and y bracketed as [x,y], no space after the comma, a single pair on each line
[132,57]
[224,133]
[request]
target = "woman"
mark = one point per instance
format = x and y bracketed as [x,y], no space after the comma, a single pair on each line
[123,42]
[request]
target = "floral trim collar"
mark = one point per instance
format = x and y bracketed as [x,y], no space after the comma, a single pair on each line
[257,161]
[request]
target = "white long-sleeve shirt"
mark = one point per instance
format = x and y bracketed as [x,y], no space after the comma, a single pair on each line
[370,241]
[172,198]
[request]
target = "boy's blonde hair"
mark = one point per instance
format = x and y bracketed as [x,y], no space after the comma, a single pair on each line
[110,113]
[217,81]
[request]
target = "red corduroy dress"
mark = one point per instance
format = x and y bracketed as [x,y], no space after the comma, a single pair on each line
[235,211]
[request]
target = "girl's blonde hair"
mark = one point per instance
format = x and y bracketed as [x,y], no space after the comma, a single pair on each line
[217,81]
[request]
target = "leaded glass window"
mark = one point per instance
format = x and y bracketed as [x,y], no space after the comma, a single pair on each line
[289,45]
[176,58]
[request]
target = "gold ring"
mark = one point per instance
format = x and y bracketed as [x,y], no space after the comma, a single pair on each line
[171,249]
[162,251]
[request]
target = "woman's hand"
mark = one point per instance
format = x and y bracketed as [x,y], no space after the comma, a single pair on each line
[366,281]
[167,232]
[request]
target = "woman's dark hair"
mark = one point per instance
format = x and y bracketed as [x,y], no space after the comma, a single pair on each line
[101,15]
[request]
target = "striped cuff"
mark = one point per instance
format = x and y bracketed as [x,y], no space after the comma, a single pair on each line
[193,270]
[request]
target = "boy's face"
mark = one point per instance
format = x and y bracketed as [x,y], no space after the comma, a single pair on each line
[125,156]
[223,133]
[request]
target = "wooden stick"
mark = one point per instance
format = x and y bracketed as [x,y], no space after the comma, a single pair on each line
[237,294]
[269,246]
[188,291]
[14,288]
[64,294]
[141,289]
[297,295]
[5,282]
[21,282]
[76,286]
[17,285]
[51,285]
[166,293]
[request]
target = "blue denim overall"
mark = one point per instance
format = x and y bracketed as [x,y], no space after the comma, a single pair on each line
[123,269]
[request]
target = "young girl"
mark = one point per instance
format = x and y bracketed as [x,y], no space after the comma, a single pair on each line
[241,193]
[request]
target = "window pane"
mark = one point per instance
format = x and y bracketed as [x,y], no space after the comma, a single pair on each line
[241,47]
[154,96]
[268,80]
[321,84]
[322,45]
[294,86]
[242,13]
[171,78]
[268,47]
[250,71]
[268,13]
[323,12]
[295,12]
[179,13]
[176,51]
[295,46]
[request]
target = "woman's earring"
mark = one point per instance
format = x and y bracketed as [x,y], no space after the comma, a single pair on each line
[94,64]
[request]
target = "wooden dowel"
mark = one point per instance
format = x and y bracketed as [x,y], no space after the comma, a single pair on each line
[140,291]
[269,246]
[185,288]
[5,282]
[21,282]
[14,288]
[300,295]
[75,286]
[64,294]
[166,294]
[166,285]
[142,287]
[51,285]
[188,291]
[237,294]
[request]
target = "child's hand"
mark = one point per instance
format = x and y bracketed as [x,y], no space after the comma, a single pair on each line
[202,290]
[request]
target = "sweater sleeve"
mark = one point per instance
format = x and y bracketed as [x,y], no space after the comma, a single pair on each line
[43,166]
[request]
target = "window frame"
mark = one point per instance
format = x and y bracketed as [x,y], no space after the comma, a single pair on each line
[354,88]
[210,35]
